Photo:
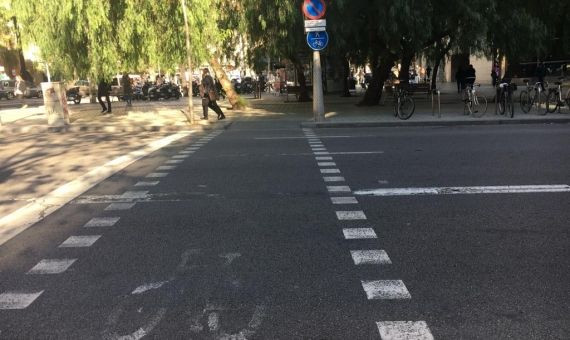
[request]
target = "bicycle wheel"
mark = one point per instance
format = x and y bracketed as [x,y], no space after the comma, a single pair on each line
[526,103]
[480,107]
[502,103]
[467,108]
[406,108]
[511,106]
[552,102]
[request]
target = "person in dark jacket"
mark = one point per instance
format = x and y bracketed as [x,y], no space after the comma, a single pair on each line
[470,75]
[103,90]
[460,78]
[127,88]
[208,93]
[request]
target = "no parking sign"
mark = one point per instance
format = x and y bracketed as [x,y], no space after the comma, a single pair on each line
[314,9]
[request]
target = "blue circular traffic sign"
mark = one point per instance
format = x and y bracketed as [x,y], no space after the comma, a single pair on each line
[314,9]
[317,40]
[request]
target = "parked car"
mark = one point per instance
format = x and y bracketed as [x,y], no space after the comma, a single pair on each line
[33,91]
[8,87]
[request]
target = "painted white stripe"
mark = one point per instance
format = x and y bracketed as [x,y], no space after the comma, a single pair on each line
[350,215]
[174,161]
[357,153]
[277,138]
[119,206]
[321,153]
[359,233]
[134,194]
[323,164]
[147,184]
[338,188]
[361,257]
[13,300]
[193,148]
[382,181]
[325,158]
[23,218]
[344,200]
[186,153]
[319,149]
[385,290]
[79,241]
[52,266]
[333,179]
[180,157]
[313,146]
[518,189]
[102,222]
[330,171]
[157,175]
[165,168]
[404,330]
[148,286]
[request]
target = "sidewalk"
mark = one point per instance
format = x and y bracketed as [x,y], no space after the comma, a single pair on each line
[142,116]
[344,112]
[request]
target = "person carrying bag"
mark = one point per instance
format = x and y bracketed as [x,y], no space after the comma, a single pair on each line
[209,96]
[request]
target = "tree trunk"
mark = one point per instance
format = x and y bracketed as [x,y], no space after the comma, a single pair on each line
[233,97]
[345,74]
[379,75]
[303,91]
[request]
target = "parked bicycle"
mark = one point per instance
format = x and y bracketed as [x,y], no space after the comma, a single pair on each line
[533,95]
[505,102]
[404,105]
[474,103]
[555,100]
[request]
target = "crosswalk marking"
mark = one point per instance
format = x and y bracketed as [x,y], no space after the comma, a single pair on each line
[330,171]
[166,168]
[404,330]
[323,164]
[52,266]
[361,257]
[134,194]
[351,215]
[147,184]
[79,241]
[18,300]
[119,206]
[157,175]
[385,290]
[333,179]
[174,161]
[359,233]
[344,200]
[102,222]
[325,158]
[338,188]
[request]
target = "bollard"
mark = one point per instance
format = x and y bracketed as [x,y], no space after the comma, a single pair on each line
[439,103]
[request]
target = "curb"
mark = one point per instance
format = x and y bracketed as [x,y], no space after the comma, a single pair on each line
[110,128]
[326,125]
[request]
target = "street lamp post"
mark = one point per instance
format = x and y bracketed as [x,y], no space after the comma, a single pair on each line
[190,94]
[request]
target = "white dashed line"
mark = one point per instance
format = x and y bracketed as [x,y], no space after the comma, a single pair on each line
[180,157]
[174,161]
[80,241]
[361,257]
[147,184]
[319,149]
[350,215]
[323,164]
[330,171]
[344,200]
[321,153]
[514,189]
[359,233]
[325,158]
[185,152]
[51,266]
[119,206]
[333,179]
[134,194]
[193,148]
[165,168]
[386,290]
[338,188]
[157,175]
[18,300]
[102,222]
[404,330]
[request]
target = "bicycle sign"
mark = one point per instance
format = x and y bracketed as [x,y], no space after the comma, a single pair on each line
[318,40]
[314,9]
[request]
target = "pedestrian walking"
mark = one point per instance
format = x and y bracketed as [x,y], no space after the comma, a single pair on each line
[103,90]
[209,95]
[495,74]
[460,79]
[127,89]
[20,88]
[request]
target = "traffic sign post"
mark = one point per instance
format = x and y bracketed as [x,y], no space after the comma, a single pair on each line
[317,39]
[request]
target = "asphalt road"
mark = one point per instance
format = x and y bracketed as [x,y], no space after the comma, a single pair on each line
[240,239]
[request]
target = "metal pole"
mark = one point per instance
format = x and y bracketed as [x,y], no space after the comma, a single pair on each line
[190,95]
[318,100]
[439,104]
